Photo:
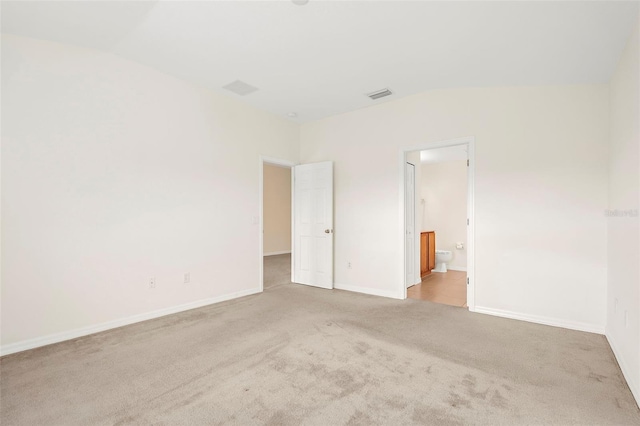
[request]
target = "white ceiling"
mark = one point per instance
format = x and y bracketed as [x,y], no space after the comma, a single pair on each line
[321,59]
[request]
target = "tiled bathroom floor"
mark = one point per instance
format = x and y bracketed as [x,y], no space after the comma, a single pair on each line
[449,288]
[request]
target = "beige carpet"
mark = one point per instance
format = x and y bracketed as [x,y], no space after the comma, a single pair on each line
[300,355]
[277,270]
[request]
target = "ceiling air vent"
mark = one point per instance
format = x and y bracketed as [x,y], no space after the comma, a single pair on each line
[380,94]
[240,88]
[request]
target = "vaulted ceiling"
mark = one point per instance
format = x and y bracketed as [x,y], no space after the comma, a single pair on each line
[321,59]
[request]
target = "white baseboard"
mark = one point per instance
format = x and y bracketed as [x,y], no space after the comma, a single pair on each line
[367,290]
[579,326]
[457,268]
[631,381]
[84,331]
[274,253]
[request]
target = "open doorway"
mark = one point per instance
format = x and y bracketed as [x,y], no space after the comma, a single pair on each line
[276,223]
[440,200]
[296,223]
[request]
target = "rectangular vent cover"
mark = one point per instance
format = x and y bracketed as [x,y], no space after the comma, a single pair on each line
[240,88]
[380,94]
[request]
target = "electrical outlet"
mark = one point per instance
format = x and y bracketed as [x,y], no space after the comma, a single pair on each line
[152,282]
[187,278]
[348,265]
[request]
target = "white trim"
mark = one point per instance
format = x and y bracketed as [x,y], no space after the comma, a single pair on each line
[293,224]
[275,253]
[555,322]
[276,162]
[633,384]
[366,290]
[85,331]
[457,268]
[414,278]
[471,215]
[470,142]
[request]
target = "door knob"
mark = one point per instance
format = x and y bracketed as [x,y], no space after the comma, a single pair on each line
[328,231]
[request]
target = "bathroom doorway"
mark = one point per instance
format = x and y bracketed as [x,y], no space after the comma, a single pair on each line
[443,222]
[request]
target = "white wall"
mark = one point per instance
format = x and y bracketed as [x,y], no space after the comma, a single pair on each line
[444,189]
[624,231]
[113,173]
[540,187]
[277,209]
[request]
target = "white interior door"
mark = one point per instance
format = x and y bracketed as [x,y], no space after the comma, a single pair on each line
[410,224]
[312,251]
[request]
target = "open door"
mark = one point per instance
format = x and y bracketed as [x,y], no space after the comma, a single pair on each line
[312,248]
[410,225]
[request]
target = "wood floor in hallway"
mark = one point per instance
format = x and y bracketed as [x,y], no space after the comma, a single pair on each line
[449,288]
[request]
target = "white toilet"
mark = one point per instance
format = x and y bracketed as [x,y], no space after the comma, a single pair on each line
[442,257]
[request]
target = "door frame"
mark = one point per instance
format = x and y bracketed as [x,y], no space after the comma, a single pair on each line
[275,162]
[407,284]
[469,141]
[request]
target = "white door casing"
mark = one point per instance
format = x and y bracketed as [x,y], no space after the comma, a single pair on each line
[410,224]
[312,251]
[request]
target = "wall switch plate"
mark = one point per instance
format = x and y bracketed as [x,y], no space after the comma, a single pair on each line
[152,282]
